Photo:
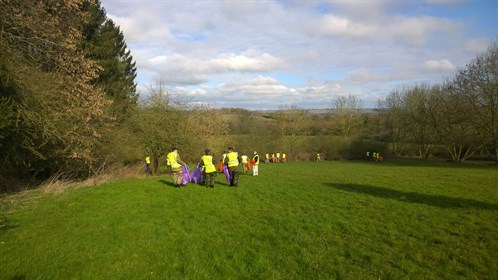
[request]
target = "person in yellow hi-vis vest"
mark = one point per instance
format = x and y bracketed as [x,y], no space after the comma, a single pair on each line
[176,167]
[208,168]
[232,161]
[244,159]
[147,165]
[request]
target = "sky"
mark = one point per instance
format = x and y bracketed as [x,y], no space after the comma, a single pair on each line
[273,54]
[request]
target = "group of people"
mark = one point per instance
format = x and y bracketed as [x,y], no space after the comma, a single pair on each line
[275,157]
[374,156]
[229,165]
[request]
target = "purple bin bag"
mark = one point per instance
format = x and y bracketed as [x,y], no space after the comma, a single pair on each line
[227,174]
[195,176]
[185,174]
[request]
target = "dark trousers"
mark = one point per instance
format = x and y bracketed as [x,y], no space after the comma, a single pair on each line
[234,175]
[209,179]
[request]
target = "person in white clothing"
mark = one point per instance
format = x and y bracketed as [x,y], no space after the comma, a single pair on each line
[255,164]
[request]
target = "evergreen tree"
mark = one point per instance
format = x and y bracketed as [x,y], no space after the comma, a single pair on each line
[104,43]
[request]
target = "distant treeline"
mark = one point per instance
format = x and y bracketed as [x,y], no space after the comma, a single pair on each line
[69,106]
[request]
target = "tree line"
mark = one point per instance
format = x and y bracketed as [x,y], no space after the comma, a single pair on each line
[456,119]
[66,81]
[460,115]
[69,105]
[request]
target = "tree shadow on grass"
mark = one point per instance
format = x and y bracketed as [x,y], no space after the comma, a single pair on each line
[412,197]
[170,184]
[222,183]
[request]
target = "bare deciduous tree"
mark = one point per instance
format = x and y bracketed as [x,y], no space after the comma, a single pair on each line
[157,123]
[451,122]
[347,115]
[396,120]
[292,123]
[59,114]
[419,128]
[207,125]
[477,85]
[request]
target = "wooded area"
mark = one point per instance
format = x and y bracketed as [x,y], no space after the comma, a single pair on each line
[66,81]
[460,114]
[70,106]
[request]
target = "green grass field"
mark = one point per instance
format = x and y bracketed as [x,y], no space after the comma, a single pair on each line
[327,220]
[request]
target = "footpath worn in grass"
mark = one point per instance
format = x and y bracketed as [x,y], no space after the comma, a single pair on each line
[327,220]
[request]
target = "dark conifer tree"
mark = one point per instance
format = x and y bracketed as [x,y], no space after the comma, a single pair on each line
[104,43]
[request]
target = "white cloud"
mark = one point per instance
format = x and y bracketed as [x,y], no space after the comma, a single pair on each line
[439,65]
[246,62]
[145,31]
[359,76]
[418,30]
[264,92]
[362,10]
[444,2]
[258,87]
[336,25]
[413,30]
[264,53]
[476,46]
[178,69]
[237,10]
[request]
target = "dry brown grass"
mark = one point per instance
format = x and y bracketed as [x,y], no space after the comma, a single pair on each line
[59,182]
[24,196]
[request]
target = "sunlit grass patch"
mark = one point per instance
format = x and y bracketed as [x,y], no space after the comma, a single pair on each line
[327,220]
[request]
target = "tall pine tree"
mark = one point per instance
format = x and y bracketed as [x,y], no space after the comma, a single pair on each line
[104,43]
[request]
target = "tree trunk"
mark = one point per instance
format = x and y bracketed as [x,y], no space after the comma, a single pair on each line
[155,165]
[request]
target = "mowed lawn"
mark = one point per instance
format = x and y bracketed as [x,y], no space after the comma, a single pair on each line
[326,220]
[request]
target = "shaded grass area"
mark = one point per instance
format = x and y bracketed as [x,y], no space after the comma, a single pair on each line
[327,220]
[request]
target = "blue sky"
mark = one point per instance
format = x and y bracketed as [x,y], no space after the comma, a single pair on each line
[267,54]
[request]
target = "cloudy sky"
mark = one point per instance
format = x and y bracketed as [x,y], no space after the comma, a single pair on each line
[266,54]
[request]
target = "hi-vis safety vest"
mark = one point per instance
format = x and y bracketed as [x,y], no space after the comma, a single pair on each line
[233,159]
[172,160]
[244,159]
[147,160]
[255,159]
[208,164]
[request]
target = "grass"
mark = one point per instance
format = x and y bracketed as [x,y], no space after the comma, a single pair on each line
[327,220]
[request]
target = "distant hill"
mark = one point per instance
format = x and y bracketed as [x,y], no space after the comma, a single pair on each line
[316,111]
